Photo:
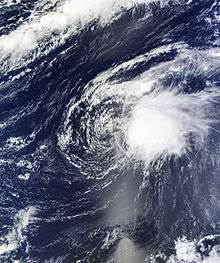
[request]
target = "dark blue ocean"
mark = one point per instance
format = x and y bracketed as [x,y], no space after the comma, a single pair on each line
[109,131]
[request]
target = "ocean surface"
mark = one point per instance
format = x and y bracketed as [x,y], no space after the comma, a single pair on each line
[109,131]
